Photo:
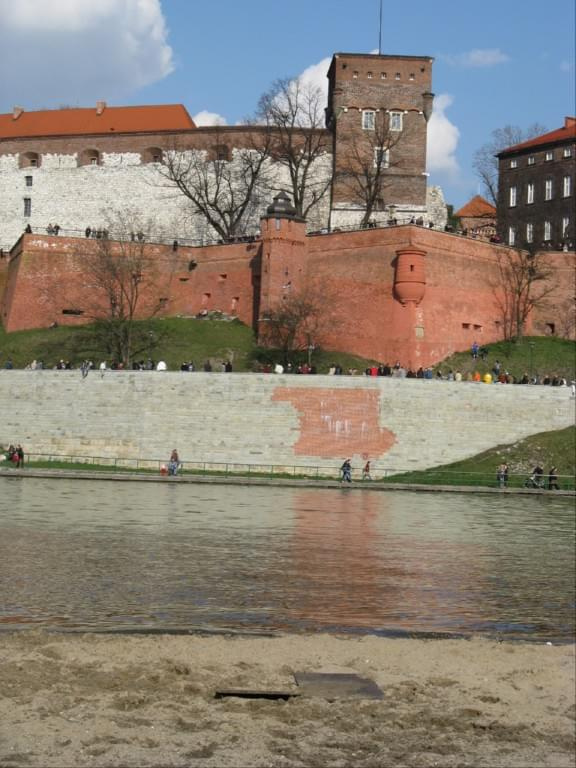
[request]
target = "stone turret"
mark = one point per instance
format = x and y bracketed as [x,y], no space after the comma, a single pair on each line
[283,255]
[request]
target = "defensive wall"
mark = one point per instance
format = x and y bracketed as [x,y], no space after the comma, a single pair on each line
[267,419]
[403,293]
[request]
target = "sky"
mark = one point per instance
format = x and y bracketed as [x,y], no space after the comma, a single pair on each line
[497,63]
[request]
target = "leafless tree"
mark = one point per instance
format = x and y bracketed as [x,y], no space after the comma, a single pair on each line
[485,162]
[524,282]
[223,184]
[298,321]
[122,281]
[367,163]
[293,110]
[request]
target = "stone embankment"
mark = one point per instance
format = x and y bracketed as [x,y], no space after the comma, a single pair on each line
[285,421]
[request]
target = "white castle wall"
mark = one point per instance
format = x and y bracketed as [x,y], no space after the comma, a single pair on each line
[268,419]
[75,197]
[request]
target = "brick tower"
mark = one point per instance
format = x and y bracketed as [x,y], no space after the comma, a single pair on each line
[379,107]
[283,257]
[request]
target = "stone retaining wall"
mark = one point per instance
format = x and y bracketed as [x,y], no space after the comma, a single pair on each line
[267,419]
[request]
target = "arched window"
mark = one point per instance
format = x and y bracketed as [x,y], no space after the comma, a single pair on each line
[152,155]
[30,160]
[89,157]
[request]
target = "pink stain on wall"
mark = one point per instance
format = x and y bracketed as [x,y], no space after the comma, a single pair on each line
[337,422]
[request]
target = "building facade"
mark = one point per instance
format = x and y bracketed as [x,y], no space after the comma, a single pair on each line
[536,191]
[69,166]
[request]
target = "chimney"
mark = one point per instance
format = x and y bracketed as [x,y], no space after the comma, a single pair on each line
[100,107]
[16,112]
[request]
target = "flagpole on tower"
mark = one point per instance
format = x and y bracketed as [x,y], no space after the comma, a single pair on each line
[380,31]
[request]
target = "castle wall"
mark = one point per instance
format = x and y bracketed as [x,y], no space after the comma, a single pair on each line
[352,275]
[268,420]
[65,189]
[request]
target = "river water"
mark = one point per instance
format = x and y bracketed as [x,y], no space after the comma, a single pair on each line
[104,555]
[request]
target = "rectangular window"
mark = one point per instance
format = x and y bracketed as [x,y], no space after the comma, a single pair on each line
[29,180]
[383,76]
[368,120]
[513,163]
[513,196]
[549,156]
[27,206]
[565,225]
[547,231]
[511,235]
[529,233]
[531,160]
[567,186]
[548,189]
[530,193]
[567,152]
[381,157]
[369,75]
[396,121]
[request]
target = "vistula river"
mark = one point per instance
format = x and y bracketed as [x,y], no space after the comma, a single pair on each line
[103,555]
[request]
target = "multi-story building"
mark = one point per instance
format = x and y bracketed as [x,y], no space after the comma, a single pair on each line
[536,190]
[67,166]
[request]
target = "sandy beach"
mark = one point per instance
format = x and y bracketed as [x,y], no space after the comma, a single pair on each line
[105,700]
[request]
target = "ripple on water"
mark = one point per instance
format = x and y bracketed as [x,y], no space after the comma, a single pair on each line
[123,556]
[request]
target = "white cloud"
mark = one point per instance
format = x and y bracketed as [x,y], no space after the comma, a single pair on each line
[316,76]
[208,118]
[476,58]
[76,51]
[443,138]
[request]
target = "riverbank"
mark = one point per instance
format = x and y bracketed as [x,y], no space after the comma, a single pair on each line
[127,476]
[105,700]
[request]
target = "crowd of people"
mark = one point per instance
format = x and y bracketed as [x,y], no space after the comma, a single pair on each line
[14,454]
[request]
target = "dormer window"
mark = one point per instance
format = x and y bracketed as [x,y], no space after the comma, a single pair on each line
[90,157]
[29,160]
[151,155]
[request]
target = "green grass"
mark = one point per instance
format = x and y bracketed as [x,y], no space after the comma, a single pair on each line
[539,355]
[548,449]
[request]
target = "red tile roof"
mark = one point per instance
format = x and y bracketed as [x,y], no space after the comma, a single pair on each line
[476,208]
[567,132]
[99,120]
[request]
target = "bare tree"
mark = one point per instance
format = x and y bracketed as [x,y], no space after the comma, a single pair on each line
[365,169]
[524,282]
[485,162]
[293,110]
[223,184]
[297,322]
[122,282]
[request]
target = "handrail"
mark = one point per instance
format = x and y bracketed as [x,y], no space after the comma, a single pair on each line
[378,474]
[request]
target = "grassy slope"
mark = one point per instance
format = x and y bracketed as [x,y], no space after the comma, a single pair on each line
[547,449]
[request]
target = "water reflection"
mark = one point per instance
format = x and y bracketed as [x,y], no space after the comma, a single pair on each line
[85,554]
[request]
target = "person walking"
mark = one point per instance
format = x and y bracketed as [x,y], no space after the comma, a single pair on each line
[346,470]
[366,472]
[553,479]
[174,464]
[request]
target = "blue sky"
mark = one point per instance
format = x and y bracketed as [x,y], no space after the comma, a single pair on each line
[497,62]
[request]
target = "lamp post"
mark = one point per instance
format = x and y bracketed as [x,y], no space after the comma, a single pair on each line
[311,349]
[531,348]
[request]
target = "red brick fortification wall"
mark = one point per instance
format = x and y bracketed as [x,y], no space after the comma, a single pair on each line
[357,273]
[47,281]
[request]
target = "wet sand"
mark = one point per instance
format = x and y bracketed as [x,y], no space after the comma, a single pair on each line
[103,700]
